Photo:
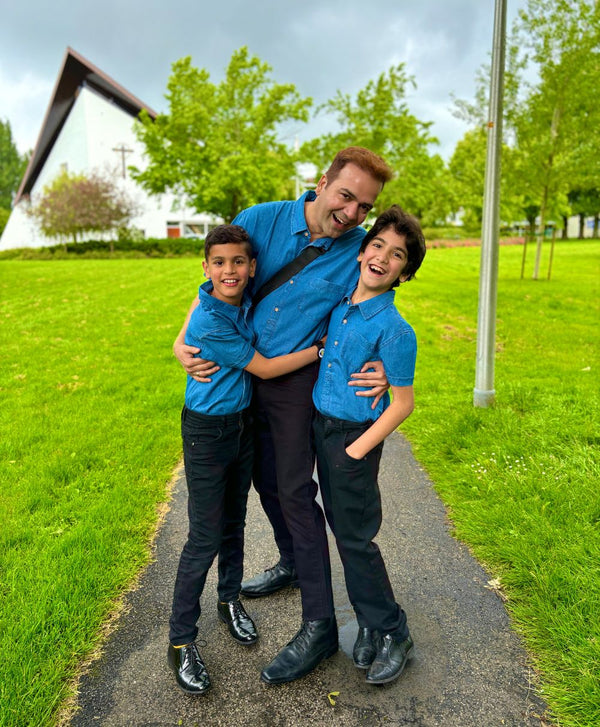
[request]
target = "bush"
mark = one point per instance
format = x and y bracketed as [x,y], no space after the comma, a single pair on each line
[127,248]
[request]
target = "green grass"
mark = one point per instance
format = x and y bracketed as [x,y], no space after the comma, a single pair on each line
[91,396]
[90,399]
[521,479]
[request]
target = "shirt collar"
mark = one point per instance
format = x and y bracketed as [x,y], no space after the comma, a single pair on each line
[373,306]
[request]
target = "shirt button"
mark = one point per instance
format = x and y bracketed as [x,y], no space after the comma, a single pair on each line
[328,365]
[276,310]
[291,282]
[335,343]
[345,321]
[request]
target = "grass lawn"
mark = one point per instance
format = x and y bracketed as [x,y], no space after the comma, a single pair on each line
[90,403]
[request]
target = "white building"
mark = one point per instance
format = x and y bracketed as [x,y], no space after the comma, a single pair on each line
[89,126]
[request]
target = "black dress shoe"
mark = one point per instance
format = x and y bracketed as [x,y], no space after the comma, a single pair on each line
[190,672]
[364,649]
[240,625]
[390,659]
[273,579]
[315,641]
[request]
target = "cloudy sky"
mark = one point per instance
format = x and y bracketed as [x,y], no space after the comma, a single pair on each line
[321,47]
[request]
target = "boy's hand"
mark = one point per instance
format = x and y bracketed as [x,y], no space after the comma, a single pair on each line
[376,380]
[197,368]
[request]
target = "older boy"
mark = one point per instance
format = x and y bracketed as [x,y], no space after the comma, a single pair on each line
[218,450]
[349,434]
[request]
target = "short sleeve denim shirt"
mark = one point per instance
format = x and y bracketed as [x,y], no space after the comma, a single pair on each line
[224,333]
[295,315]
[372,330]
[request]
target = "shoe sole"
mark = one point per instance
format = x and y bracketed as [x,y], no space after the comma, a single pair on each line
[254,594]
[326,655]
[393,678]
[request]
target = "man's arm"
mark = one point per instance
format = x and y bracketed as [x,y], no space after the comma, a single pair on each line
[197,368]
[376,380]
[401,407]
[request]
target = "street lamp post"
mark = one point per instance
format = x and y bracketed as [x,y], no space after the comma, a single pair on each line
[484,393]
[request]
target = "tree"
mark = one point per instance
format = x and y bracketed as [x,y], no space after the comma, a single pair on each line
[557,126]
[75,204]
[218,145]
[552,126]
[379,119]
[12,168]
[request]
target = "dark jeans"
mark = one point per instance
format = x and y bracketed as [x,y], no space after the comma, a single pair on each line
[217,453]
[283,471]
[353,508]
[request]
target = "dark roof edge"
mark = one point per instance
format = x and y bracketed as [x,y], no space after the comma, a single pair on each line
[75,70]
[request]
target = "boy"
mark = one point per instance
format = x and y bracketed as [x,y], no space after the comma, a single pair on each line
[217,449]
[349,435]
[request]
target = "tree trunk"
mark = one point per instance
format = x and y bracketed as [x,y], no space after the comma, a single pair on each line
[565,229]
[581,225]
[596,220]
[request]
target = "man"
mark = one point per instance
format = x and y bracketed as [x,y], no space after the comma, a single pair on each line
[289,318]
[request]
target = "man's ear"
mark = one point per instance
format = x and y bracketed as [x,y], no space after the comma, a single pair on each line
[360,256]
[321,185]
[252,268]
[205,268]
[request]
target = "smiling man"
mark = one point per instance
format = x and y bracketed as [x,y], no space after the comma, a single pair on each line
[291,312]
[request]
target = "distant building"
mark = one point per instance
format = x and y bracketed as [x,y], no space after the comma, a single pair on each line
[89,126]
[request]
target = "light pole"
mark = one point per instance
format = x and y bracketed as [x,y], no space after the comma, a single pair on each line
[483,393]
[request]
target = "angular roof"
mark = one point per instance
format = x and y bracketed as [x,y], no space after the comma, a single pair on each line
[75,73]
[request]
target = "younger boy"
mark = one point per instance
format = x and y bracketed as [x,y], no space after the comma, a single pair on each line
[217,450]
[349,435]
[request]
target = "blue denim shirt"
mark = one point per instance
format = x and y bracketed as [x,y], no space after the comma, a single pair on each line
[370,331]
[224,333]
[296,314]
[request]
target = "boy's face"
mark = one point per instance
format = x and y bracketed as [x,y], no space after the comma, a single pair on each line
[342,203]
[229,267]
[383,261]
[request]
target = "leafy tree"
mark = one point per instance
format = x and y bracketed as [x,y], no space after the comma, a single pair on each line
[73,204]
[379,119]
[12,168]
[218,144]
[554,126]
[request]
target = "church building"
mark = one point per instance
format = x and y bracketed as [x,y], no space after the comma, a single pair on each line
[89,127]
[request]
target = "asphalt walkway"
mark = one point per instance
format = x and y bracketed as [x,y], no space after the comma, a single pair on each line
[469,669]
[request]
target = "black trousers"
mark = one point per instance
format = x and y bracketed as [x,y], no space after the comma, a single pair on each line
[353,508]
[284,462]
[217,453]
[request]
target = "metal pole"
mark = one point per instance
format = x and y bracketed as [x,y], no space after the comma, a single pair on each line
[484,393]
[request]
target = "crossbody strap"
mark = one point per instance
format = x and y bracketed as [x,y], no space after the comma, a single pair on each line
[307,255]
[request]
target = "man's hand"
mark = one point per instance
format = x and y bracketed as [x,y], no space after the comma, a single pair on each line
[376,380]
[197,368]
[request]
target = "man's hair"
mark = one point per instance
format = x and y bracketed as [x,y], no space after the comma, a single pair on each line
[366,160]
[403,224]
[223,234]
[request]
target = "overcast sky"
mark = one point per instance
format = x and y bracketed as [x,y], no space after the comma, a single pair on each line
[321,47]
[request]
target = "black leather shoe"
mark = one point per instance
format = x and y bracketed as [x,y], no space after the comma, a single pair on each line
[315,641]
[364,649]
[273,579]
[190,672]
[390,659]
[240,625]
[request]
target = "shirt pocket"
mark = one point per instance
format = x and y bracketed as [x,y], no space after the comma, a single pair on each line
[319,298]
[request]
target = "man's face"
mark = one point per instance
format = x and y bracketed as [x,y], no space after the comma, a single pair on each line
[342,203]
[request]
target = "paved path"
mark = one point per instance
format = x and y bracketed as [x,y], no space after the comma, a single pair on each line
[469,669]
